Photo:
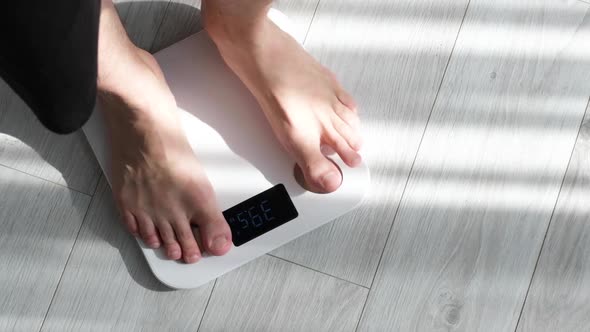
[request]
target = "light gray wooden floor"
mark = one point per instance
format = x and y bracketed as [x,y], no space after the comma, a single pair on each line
[478,139]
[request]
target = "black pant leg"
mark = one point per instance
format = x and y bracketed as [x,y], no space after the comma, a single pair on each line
[48,55]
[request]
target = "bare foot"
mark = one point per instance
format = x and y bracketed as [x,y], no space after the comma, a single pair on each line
[303,101]
[159,186]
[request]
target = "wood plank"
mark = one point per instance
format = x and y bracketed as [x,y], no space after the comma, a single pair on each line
[39,222]
[122,6]
[466,239]
[27,146]
[300,13]
[270,294]
[559,297]
[183,18]
[107,284]
[142,19]
[391,56]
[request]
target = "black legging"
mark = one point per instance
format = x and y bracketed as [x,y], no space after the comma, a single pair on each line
[48,56]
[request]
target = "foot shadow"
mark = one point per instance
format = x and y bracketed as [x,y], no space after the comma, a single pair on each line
[29,147]
[24,140]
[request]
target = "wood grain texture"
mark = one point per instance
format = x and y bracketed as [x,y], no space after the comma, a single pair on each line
[39,222]
[300,13]
[559,297]
[122,6]
[391,56]
[270,294]
[183,18]
[473,217]
[27,146]
[142,19]
[107,285]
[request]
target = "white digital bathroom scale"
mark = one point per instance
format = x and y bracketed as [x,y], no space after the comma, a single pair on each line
[252,176]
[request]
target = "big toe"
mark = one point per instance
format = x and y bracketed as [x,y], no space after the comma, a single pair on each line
[320,174]
[323,176]
[215,233]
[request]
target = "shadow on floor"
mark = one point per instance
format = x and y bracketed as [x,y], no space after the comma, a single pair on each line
[18,123]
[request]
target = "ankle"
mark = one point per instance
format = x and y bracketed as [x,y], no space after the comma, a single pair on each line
[233,21]
[139,98]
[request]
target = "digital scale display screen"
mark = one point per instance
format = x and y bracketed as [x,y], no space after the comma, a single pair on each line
[260,214]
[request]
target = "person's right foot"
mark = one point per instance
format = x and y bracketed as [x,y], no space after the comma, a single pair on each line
[159,186]
[304,103]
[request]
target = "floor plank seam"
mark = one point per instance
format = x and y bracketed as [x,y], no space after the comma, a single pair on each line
[551,218]
[311,21]
[48,181]
[413,162]
[69,256]
[314,270]
[99,171]
[421,139]
[50,302]
[207,305]
[100,174]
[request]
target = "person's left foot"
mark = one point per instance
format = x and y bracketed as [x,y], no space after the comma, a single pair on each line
[159,186]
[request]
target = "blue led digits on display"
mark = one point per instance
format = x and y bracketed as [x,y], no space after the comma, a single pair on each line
[260,214]
[255,219]
[265,211]
[253,216]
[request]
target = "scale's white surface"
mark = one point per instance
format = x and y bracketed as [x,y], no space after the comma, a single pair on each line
[240,154]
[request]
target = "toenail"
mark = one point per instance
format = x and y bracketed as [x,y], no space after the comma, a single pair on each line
[193,257]
[327,150]
[219,243]
[356,161]
[330,178]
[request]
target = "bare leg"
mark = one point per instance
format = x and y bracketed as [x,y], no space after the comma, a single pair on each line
[159,186]
[304,103]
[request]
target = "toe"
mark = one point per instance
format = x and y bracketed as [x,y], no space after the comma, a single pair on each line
[184,234]
[147,230]
[337,142]
[350,135]
[346,99]
[171,246]
[339,91]
[347,115]
[215,232]
[130,223]
[321,175]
